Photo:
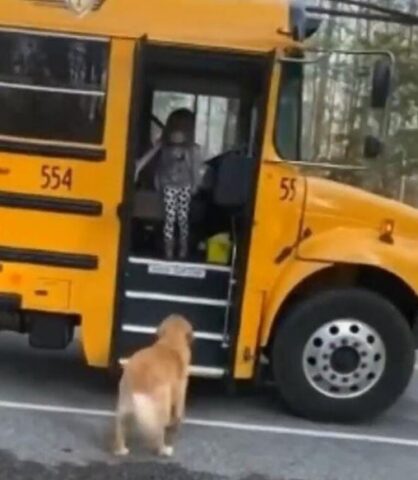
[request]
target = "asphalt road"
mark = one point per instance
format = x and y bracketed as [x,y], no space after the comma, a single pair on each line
[55,423]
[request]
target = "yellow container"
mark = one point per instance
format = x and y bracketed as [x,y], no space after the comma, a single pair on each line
[219,249]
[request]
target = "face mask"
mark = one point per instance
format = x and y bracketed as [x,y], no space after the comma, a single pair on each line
[177,152]
[177,137]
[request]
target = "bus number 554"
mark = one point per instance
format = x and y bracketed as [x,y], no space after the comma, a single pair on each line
[56,178]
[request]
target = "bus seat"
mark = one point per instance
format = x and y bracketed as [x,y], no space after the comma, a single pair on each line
[147,205]
[227,191]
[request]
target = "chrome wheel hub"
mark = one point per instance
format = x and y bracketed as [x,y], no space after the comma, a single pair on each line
[344,358]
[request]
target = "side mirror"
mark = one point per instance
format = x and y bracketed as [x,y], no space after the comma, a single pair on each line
[373,147]
[381,83]
[298,20]
[303,25]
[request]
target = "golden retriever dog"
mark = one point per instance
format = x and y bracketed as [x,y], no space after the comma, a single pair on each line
[153,388]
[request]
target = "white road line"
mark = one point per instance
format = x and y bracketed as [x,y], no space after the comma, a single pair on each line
[236,426]
[36,407]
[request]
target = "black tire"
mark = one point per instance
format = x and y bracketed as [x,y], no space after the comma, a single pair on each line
[293,334]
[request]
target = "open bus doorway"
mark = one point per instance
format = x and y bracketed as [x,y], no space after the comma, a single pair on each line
[224,93]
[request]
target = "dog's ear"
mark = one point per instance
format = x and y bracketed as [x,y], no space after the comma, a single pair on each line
[190,337]
[161,330]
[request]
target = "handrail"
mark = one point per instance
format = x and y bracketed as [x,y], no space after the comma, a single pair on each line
[231,284]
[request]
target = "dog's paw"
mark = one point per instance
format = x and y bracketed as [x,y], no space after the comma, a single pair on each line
[167,451]
[121,452]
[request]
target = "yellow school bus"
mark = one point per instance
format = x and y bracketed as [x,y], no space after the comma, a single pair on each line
[316,287]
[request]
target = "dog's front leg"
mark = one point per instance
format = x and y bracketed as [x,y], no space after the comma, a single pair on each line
[179,403]
[177,412]
[180,406]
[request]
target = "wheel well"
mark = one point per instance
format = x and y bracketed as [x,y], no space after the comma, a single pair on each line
[372,278]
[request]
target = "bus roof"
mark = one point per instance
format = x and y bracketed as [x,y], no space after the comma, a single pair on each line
[233,24]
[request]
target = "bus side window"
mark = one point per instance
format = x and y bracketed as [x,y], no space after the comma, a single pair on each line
[52,88]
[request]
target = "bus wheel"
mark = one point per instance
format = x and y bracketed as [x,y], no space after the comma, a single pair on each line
[342,355]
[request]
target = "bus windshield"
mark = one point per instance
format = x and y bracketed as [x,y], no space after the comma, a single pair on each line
[324,117]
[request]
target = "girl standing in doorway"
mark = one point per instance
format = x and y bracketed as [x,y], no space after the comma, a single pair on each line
[178,176]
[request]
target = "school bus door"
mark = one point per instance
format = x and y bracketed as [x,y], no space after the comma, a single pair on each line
[280,195]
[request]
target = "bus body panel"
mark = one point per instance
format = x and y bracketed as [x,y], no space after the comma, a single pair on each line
[346,225]
[89,292]
[292,274]
[250,25]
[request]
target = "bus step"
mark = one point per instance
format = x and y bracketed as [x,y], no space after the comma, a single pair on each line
[196,371]
[191,279]
[148,309]
[208,350]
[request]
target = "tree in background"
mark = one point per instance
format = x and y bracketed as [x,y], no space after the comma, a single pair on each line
[342,116]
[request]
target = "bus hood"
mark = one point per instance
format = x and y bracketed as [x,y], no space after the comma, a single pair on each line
[331,205]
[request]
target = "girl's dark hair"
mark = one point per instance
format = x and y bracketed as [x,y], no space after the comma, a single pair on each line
[182,120]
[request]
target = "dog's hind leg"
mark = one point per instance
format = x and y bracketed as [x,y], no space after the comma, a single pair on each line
[123,410]
[120,447]
[158,443]
[170,435]
[152,415]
